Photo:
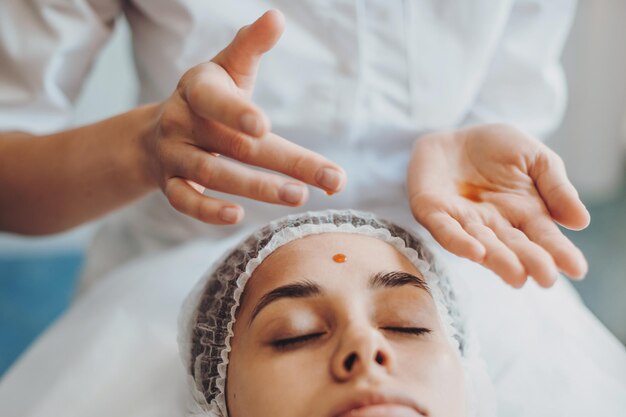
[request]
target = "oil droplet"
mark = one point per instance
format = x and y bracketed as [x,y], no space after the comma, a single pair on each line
[472,191]
[340,258]
[330,193]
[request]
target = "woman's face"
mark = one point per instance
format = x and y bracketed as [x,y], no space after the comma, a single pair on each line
[320,338]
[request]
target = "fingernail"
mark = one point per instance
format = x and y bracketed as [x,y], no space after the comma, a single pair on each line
[329,178]
[291,193]
[199,188]
[229,214]
[250,124]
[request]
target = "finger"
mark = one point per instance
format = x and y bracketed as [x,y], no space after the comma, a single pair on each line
[241,57]
[537,262]
[566,255]
[278,154]
[211,98]
[498,257]
[451,236]
[206,209]
[560,196]
[221,174]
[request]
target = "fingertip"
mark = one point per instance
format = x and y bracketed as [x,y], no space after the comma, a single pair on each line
[546,283]
[513,274]
[571,261]
[570,212]
[272,25]
[241,57]
[583,221]
[231,214]
[543,269]
[332,179]
[344,180]
[576,218]
[305,199]
[293,194]
[579,270]
[516,281]
[278,18]
[547,280]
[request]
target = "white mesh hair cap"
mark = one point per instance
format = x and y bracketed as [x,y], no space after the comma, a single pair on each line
[208,314]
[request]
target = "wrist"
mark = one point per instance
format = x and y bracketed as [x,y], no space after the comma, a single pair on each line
[147,117]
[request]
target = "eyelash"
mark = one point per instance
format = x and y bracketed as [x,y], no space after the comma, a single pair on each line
[416,331]
[282,344]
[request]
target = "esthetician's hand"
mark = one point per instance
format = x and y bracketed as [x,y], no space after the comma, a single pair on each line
[492,194]
[209,133]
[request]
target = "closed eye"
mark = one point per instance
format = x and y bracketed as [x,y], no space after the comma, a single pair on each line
[417,331]
[292,342]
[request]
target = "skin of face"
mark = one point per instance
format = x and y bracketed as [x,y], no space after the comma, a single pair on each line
[346,349]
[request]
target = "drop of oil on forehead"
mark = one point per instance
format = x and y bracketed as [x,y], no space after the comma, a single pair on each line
[340,258]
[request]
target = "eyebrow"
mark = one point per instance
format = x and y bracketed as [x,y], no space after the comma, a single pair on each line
[397,279]
[307,289]
[302,289]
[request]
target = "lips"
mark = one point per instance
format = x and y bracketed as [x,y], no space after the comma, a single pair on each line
[380,404]
[383,410]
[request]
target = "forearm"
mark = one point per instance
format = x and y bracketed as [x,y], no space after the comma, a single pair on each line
[54,182]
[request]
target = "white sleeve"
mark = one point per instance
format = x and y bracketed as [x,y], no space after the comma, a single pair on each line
[46,51]
[525,83]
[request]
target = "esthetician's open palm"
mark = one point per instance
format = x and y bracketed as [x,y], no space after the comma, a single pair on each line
[492,194]
[209,133]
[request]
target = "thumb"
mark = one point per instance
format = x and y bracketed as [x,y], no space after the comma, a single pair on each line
[560,196]
[241,57]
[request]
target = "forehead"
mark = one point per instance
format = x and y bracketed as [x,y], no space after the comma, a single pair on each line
[313,258]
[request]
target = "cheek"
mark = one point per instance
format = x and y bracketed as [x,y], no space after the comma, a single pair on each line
[272,385]
[435,375]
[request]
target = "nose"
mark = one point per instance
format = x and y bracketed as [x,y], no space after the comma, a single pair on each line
[361,352]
